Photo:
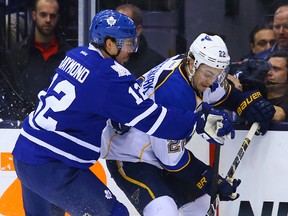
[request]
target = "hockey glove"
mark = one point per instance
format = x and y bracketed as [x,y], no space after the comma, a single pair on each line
[254,108]
[118,127]
[226,188]
[214,125]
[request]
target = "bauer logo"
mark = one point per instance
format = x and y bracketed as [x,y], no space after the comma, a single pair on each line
[6,161]
[247,102]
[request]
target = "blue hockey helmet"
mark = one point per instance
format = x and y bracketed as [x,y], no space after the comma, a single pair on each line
[110,23]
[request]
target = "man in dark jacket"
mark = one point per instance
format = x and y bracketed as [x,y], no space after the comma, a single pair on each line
[145,58]
[32,62]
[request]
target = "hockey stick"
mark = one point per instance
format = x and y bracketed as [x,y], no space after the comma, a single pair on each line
[212,210]
[215,174]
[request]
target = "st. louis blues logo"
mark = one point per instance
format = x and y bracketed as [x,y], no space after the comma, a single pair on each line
[111,21]
[206,38]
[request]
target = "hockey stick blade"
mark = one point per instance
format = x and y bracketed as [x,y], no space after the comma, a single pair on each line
[212,209]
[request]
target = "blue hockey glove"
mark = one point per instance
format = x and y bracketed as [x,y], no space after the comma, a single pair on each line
[234,184]
[254,108]
[214,125]
[226,188]
[118,127]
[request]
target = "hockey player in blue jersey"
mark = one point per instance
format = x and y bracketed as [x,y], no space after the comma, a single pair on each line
[61,139]
[162,177]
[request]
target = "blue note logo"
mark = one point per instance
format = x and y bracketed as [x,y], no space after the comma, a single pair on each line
[206,38]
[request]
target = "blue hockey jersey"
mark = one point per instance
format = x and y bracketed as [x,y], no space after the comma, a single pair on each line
[85,91]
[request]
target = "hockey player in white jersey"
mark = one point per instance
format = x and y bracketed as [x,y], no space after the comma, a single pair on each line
[61,139]
[162,177]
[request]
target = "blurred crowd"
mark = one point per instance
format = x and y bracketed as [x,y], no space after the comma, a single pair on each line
[37,44]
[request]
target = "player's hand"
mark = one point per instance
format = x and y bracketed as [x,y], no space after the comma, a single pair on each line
[118,127]
[214,125]
[226,188]
[254,108]
[224,192]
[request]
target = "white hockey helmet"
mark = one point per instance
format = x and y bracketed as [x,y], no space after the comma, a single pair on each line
[209,50]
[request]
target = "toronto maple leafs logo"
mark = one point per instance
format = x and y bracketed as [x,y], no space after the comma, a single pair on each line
[122,71]
[108,194]
[111,21]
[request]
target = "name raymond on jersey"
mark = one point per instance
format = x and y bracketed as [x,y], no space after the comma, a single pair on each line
[74,68]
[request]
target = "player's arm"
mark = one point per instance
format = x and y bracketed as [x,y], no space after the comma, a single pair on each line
[279,115]
[126,104]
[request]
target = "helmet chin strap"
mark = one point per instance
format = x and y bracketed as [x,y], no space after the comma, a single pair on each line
[191,74]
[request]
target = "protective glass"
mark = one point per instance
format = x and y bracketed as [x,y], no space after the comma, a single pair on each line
[127,45]
[258,64]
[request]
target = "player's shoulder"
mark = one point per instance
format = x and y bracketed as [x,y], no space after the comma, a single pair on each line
[78,50]
[85,55]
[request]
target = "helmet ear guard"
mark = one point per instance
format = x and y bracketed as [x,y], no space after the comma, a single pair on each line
[209,50]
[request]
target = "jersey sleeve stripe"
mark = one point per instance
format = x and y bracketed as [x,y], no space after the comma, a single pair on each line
[54,149]
[78,141]
[69,137]
[158,122]
[143,115]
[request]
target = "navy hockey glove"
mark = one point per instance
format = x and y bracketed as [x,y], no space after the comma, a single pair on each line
[214,125]
[254,108]
[226,188]
[119,128]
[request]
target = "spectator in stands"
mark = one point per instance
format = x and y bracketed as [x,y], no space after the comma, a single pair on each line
[261,38]
[280,28]
[277,84]
[145,58]
[32,62]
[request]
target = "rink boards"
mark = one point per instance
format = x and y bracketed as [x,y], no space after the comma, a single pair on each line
[263,171]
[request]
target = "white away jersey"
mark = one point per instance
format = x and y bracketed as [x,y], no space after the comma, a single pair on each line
[167,85]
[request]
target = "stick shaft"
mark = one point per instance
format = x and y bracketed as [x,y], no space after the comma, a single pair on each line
[211,211]
[242,150]
[215,173]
